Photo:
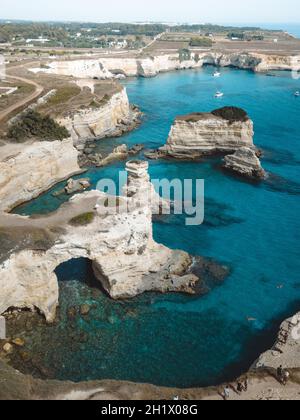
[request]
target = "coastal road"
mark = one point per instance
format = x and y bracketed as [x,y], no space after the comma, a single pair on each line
[38,89]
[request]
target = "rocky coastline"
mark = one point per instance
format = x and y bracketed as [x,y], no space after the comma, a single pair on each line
[226,131]
[90,226]
[114,67]
[262,383]
[244,162]
[48,242]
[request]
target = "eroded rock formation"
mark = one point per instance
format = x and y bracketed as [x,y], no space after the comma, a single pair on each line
[114,233]
[245,162]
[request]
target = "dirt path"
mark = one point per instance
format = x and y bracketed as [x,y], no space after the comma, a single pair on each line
[23,102]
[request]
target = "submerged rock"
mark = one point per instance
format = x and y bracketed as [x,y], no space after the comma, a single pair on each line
[8,348]
[245,162]
[85,309]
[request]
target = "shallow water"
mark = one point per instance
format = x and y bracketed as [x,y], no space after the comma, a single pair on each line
[183,341]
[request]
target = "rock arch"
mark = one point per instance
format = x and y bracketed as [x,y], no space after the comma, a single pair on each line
[120,244]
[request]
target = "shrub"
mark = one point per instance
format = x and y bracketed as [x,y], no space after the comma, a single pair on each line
[33,124]
[63,95]
[83,219]
[231,114]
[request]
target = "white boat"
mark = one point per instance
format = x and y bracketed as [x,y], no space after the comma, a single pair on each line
[297,93]
[219,94]
[217,74]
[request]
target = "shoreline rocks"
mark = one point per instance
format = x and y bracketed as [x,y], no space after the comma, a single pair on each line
[261,379]
[121,152]
[77,185]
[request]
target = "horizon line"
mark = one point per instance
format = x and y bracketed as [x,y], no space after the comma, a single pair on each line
[139,22]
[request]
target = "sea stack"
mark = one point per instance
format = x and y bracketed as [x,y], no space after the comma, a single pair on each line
[221,131]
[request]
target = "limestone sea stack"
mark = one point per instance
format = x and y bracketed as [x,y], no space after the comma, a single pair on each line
[221,131]
[245,162]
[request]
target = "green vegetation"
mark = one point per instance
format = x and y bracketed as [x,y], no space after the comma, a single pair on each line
[201,42]
[100,35]
[231,114]
[59,34]
[208,28]
[238,35]
[184,54]
[33,124]
[245,36]
[83,219]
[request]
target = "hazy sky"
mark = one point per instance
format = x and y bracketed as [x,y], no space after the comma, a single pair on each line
[215,11]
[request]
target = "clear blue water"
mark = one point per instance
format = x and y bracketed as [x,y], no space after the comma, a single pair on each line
[184,341]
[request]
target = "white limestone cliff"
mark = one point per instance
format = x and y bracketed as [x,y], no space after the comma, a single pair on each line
[30,169]
[101,121]
[114,67]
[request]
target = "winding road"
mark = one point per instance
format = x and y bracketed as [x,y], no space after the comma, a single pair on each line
[38,89]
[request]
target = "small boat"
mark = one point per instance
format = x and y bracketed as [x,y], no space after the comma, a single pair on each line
[219,94]
[297,94]
[216,74]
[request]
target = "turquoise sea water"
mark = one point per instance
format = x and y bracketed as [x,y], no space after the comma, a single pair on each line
[254,229]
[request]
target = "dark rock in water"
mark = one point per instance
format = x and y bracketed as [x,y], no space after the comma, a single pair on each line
[283,185]
[245,162]
[210,273]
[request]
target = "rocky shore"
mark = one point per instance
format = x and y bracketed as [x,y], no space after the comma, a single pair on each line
[33,167]
[245,162]
[106,68]
[116,236]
